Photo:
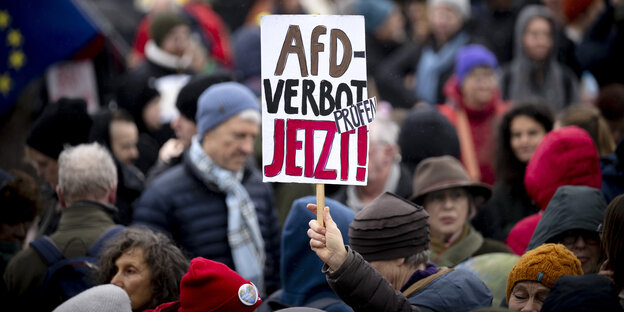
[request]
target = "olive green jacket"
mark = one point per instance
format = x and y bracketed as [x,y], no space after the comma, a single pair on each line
[471,245]
[80,226]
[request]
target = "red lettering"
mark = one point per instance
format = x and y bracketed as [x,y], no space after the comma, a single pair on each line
[360,173]
[278,154]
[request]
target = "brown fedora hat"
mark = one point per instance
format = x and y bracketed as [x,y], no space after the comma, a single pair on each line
[445,172]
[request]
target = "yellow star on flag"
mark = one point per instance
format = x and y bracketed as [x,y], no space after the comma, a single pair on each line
[5,84]
[5,19]
[17,59]
[14,38]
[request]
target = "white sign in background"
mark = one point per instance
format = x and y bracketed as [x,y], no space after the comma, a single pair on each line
[300,140]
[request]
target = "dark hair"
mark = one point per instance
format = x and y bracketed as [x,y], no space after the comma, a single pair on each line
[165,260]
[508,167]
[613,239]
[19,198]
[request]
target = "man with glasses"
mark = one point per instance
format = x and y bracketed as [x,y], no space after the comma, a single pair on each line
[572,218]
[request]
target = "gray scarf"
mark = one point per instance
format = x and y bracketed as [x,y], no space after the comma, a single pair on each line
[244,234]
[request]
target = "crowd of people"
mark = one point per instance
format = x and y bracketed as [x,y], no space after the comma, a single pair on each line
[495,175]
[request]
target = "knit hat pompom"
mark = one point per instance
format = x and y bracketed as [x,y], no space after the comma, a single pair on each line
[211,286]
[544,264]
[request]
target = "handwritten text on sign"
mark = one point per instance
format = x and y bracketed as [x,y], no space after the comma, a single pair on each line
[312,67]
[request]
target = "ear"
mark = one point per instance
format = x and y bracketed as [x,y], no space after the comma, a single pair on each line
[399,261]
[59,194]
[112,195]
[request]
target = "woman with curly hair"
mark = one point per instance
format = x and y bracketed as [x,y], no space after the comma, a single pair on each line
[146,264]
[520,131]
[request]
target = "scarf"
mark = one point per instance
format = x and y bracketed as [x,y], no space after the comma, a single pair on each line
[433,64]
[244,235]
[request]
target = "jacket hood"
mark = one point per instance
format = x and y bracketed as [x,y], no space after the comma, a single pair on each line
[572,207]
[525,16]
[300,270]
[566,156]
[590,292]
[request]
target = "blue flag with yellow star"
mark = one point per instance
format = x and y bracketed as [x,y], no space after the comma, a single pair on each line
[35,34]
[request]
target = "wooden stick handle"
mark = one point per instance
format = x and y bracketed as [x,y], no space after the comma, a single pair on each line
[320,202]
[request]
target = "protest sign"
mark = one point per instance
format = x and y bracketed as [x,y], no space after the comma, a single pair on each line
[315,106]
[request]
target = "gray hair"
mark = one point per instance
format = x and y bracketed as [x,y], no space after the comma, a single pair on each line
[416,260]
[86,169]
[384,131]
[250,115]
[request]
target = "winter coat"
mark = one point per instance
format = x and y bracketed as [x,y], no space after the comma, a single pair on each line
[482,124]
[571,208]
[300,269]
[493,269]
[365,289]
[612,167]
[566,156]
[80,226]
[470,245]
[195,215]
[509,205]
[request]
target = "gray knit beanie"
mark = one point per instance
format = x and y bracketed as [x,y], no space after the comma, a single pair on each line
[388,228]
[103,298]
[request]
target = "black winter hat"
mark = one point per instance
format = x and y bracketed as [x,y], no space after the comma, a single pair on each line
[63,122]
[426,133]
[189,94]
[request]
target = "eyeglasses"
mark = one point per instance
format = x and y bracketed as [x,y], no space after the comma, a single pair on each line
[570,238]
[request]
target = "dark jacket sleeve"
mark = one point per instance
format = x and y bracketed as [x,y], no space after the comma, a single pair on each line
[391,73]
[363,288]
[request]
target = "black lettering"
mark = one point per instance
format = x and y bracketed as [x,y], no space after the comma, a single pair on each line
[273,99]
[288,94]
[308,89]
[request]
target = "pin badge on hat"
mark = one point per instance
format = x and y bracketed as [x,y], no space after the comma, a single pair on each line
[248,294]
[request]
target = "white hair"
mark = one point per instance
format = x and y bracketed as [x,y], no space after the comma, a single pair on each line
[86,170]
[384,131]
[250,115]
[416,260]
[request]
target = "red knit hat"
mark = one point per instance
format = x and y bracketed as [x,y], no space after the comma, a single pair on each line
[211,286]
[573,8]
[566,156]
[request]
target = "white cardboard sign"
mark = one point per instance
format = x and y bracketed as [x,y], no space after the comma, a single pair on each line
[312,67]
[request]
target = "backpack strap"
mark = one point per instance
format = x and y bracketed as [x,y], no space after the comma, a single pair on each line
[47,250]
[94,251]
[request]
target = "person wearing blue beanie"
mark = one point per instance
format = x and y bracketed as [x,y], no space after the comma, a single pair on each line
[214,203]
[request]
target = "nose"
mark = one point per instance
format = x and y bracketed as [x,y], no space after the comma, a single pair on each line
[134,153]
[116,280]
[580,242]
[531,306]
[175,123]
[247,146]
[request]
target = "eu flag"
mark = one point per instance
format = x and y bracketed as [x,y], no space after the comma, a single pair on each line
[34,34]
